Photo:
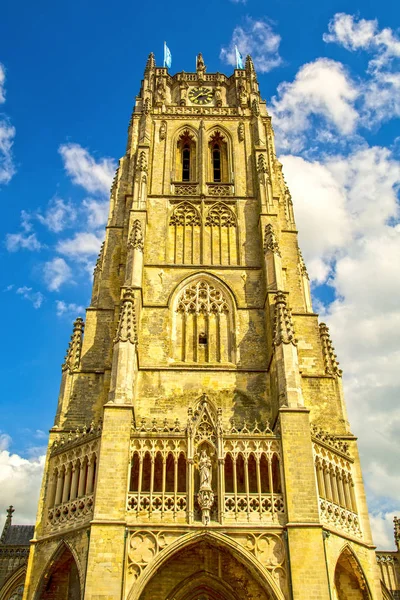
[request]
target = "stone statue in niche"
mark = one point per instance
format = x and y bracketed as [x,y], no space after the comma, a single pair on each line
[183,87]
[160,92]
[163,131]
[205,496]
[205,471]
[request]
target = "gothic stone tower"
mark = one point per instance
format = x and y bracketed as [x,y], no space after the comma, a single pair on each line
[201,447]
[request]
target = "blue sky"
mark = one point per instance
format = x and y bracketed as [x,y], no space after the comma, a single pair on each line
[330,73]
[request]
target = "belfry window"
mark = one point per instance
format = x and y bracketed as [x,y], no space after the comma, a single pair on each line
[218,161]
[216,158]
[186,163]
[186,157]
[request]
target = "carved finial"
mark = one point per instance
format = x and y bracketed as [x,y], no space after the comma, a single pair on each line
[262,166]
[331,364]
[73,356]
[150,64]
[200,66]
[270,241]
[249,65]
[255,108]
[302,265]
[7,523]
[99,260]
[241,131]
[126,331]
[135,241]
[142,162]
[283,325]
[396,522]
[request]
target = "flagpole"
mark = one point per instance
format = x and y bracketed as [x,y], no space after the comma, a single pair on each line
[165,44]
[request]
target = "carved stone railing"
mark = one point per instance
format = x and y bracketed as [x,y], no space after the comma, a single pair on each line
[185,189]
[243,480]
[155,506]
[70,513]
[388,566]
[339,517]
[220,189]
[254,507]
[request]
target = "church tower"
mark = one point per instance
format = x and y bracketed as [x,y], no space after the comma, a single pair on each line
[201,448]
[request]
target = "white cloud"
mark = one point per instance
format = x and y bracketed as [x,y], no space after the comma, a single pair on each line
[7,134]
[68,309]
[16,474]
[380,90]
[92,175]
[58,216]
[56,272]
[323,89]
[347,212]
[35,297]
[82,245]
[2,82]
[18,241]
[354,34]
[257,38]
[345,30]
[96,212]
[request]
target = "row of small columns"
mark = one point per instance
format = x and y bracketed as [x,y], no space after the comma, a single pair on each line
[73,480]
[335,485]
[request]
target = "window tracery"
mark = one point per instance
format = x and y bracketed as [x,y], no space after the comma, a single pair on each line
[218,151]
[186,224]
[186,157]
[203,324]
[203,235]
[221,231]
[244,470]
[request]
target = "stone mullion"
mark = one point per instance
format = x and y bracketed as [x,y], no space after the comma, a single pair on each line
[228,230]
[164,476]
[184,241]
[339,478]
[271,484]
[347,499]
[334,485]
[140,480]
[218,335]
[235,483]
[151,481]
[52,489]
[175,482]
[246,483]
[60,485]
[320,479]
[67,483]
[184,340]
[74,484]
[328,487]
[220,228]
[221,491]
[259,491]
[82,478]
[202,232]
[90,473]
[352,495]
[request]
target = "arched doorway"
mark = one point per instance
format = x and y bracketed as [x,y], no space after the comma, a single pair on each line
[206,568]
[350,583]
[61,578]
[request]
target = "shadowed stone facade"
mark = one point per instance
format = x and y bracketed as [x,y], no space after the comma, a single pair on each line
[201,447]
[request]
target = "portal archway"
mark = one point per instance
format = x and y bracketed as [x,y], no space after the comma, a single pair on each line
[61,578]
[350,582]
[207,565]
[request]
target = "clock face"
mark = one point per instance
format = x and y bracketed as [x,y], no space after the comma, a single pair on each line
[201,95]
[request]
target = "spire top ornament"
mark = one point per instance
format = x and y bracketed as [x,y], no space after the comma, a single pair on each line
[73,356]
[331,364]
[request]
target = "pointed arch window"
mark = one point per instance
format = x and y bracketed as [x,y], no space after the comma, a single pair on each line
[218,149]
[203,325]
[221,235]
[186,224]
[186,157]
